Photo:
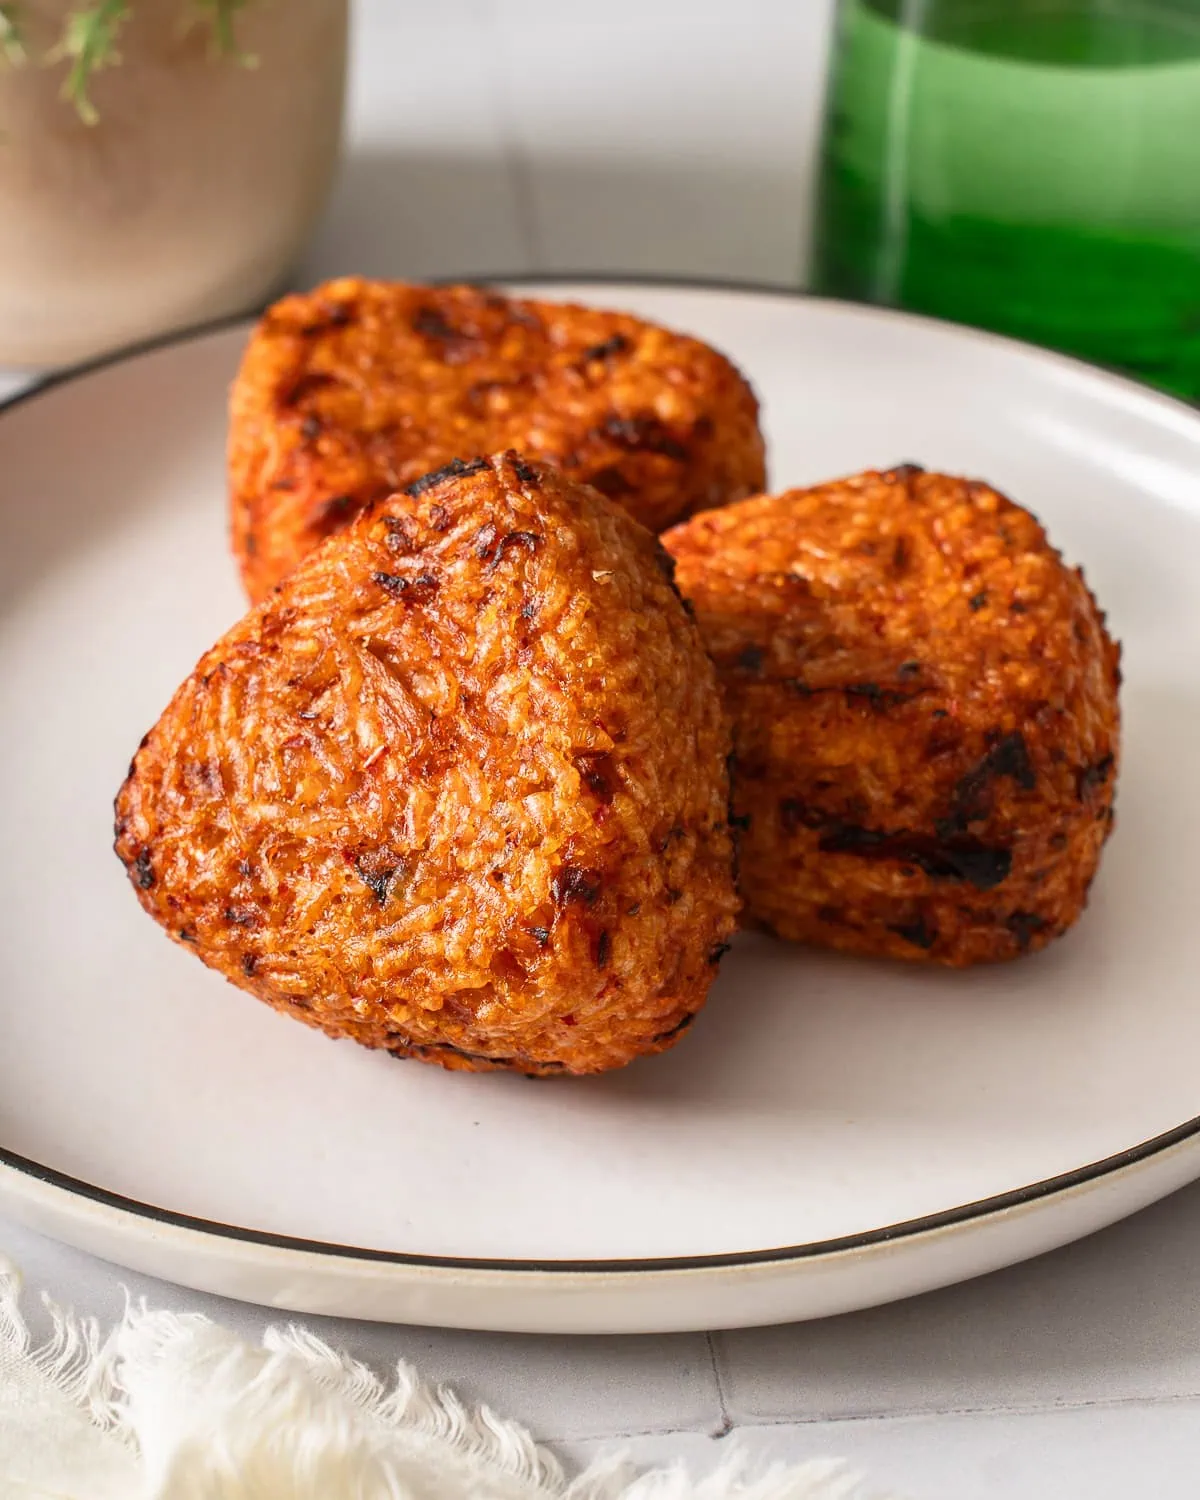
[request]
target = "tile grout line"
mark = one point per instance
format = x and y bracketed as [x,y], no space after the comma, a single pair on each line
[919,1414]
[632,1434]
[726,1426]
[516,159]
[825,1419]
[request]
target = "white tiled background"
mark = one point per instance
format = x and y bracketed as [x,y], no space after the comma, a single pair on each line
[677,137]
[667,136]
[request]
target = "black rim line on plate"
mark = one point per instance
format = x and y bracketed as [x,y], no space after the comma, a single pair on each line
[909,1228]
[982,1208]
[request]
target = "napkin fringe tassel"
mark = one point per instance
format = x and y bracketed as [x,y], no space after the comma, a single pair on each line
[203,1414]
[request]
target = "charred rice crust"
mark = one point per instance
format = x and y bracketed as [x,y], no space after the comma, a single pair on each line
[355,390]
[925,707]
[457,790]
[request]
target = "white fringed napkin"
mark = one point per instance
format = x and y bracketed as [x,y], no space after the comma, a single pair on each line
[176,1408]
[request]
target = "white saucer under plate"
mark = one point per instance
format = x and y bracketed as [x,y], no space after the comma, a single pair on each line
[833,1134]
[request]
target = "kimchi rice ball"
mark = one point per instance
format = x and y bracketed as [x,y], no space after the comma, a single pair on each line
[458,789]
[351,392]
[925,709]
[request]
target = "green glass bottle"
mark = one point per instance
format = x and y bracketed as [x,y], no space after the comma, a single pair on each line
[1031,166]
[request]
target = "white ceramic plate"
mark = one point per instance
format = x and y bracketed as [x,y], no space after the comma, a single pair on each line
[833,1133]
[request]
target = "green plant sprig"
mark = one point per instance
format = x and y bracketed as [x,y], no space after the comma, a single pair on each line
[12,39]
[89,40]
[90,35]
[222,21]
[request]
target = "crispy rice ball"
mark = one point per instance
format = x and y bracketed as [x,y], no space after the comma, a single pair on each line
[354,390]
[925,714]
[458,789]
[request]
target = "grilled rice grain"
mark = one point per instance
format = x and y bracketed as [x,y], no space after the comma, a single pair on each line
[925,706]
[356,389]
[458,790]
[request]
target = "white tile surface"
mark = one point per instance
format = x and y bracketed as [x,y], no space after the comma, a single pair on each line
[1100,1453]
[1114,1318]
[427,187]
[664,138]
[650,136]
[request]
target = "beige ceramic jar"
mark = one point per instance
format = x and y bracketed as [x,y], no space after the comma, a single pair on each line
[190,197]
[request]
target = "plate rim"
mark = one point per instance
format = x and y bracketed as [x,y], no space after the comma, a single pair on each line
[73,1188]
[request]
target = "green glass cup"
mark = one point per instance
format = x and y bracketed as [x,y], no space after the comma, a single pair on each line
[1031,166]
